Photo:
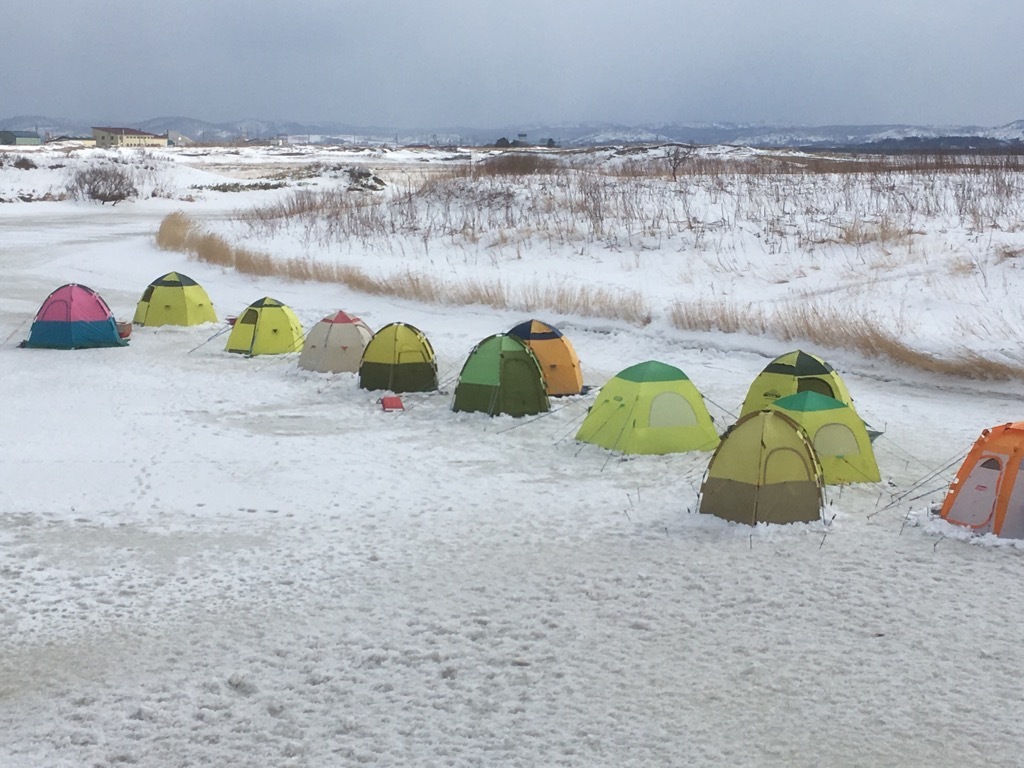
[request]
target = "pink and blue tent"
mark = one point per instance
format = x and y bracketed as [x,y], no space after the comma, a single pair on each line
[74,317]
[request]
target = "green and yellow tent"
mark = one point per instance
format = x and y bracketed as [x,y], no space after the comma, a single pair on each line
[400,359]
[174,299]
[838,434]
[649,408]
[501,376]
[266,327]
[764,471]
[790,374]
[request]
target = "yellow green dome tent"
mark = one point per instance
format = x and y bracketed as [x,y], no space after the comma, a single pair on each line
[649,408]
[764,471]
[266,327]
[174,299]
[790,374]
[838,434]
[501,376]
[400,359]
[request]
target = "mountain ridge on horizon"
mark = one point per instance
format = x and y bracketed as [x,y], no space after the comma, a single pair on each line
[589,133]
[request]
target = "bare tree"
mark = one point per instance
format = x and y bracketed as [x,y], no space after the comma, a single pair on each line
[677,157]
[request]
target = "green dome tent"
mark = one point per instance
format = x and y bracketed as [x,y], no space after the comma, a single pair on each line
[649,408]
[501,376]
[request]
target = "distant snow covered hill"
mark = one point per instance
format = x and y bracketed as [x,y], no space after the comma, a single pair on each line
[887,137]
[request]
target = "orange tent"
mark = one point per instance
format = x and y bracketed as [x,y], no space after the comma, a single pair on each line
[987,494]
[558,361]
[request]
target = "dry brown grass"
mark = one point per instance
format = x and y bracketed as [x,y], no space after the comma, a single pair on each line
[829,328]
[884,230]
[172,235]
[178,232]
[1007,253]
[516,164]
[720,316]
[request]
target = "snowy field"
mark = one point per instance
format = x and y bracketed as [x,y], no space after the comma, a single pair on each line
[214,560]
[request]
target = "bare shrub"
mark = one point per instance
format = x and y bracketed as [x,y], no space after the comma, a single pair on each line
[24,163]
[109,183]
[238,186]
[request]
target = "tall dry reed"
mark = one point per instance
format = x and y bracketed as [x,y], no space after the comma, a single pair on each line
[178,232]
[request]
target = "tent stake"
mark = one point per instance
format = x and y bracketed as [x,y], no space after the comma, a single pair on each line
[20,326]
[218,333]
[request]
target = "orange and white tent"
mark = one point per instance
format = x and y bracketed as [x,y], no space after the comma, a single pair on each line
[987,494]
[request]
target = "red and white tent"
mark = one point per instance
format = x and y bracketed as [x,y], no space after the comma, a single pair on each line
[335,344]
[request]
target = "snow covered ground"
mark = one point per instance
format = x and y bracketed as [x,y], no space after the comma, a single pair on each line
[213,560]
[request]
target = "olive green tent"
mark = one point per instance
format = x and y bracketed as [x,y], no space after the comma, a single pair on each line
[790,374]
[838,434]
[501,376]
[764,471]
[398,358]
[649,408]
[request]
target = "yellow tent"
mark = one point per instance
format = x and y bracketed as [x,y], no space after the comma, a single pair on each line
[174,299]
[266,327]
[649,408]
[838,434]
[790,374]
[764,471]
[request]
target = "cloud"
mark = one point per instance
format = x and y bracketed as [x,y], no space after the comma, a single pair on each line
[476,62]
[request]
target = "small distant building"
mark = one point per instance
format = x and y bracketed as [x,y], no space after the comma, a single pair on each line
[20,138]
[127,137]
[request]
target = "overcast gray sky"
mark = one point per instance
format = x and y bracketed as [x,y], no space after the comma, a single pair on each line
[479,63]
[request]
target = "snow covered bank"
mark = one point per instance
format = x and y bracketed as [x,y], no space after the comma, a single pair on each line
[209,559]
